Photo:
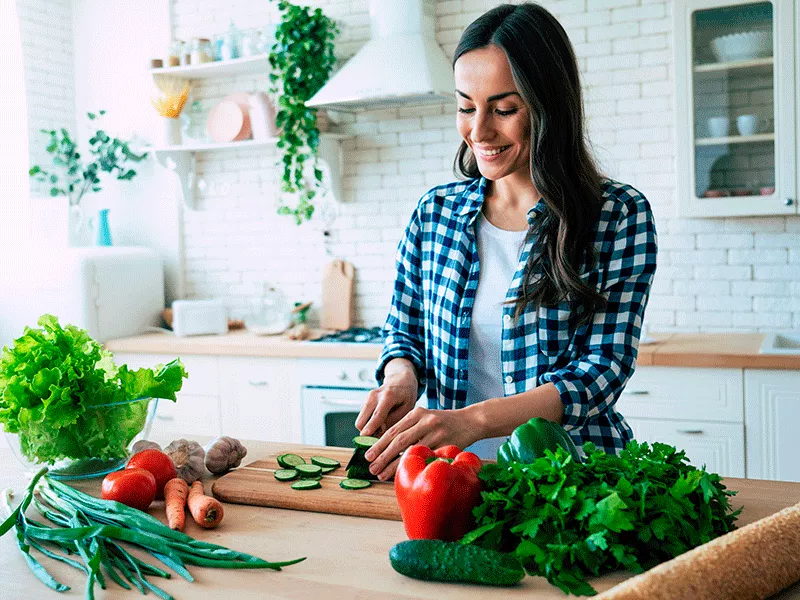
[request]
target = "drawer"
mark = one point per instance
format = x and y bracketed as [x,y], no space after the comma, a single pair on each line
[684,393]
[718,446]
[203,379]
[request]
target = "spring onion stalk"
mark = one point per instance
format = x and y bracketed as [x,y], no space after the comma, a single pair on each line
[96,530]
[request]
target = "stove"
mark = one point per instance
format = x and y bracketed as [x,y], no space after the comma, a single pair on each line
[355,335]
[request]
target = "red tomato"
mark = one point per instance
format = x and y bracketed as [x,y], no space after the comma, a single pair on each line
[133,487]
[158,463]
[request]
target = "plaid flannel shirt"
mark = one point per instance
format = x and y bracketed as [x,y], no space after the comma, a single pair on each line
[434,291]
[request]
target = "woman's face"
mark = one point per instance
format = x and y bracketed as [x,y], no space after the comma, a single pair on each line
[492,118]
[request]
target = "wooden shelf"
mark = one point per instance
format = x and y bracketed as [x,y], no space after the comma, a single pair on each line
[720,67]
[735,139]
[250,65]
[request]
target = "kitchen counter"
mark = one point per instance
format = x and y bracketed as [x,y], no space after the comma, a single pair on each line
[347,556]
[719,350]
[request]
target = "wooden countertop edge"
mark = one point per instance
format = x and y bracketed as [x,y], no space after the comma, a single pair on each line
[707,350]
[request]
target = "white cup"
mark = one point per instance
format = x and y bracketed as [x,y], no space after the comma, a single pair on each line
[719,126]
[747,124]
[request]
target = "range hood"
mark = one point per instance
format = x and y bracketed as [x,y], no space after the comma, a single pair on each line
[401,64]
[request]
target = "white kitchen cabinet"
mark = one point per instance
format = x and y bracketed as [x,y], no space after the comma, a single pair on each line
[727,167]
[696,410]
[718,446]
[772,413]
[259,396]
[197,409]
[683,393]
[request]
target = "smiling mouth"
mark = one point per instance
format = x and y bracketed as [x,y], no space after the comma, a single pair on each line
[493,152]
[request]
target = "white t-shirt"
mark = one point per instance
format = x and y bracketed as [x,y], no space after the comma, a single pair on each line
[498,251]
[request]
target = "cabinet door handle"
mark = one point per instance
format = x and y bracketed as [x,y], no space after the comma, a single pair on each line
[635,393]
[258,383]
[342,402]
[691,431]
[365,375]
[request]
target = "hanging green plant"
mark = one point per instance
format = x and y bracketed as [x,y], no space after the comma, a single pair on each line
[301,60]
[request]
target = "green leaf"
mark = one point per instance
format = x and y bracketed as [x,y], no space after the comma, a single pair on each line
[54,192]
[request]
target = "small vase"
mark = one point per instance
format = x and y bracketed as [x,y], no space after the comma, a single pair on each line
[80,234]
[172,131]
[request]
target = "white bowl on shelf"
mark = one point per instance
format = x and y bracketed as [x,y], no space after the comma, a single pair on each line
[746,45]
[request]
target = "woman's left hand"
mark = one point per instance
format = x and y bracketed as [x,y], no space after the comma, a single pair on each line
[432,428]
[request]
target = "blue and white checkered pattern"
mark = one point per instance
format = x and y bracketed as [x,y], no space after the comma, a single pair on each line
[437,277]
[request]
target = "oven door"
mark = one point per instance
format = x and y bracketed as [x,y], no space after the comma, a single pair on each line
[329,414]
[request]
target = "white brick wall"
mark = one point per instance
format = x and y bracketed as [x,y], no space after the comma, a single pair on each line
[713,275]
[48,56]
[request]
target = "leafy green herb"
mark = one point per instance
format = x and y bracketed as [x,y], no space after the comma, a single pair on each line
[52,383]
[567,521]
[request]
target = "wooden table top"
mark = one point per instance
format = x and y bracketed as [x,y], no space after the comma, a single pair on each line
[347,556]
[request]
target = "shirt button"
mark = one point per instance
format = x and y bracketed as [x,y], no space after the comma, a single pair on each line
[509,379]
[507,318]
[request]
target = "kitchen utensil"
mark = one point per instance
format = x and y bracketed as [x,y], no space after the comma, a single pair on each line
[745,45]
[719,126]
[747,124]
[756,561]
[262,116]
[256,484]
[270,313]
[225,122]
[337,295]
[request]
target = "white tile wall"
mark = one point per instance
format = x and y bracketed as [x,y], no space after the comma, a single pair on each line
[714,274]
[48,56]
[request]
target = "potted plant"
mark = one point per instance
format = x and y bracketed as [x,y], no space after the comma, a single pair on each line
[301,59]
[73,176]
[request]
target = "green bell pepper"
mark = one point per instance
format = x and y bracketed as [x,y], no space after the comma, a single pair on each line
[529,441]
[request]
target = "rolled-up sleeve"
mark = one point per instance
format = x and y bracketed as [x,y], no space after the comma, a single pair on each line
[405,325]
[590,384]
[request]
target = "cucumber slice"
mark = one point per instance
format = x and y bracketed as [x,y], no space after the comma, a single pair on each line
[325,462]
[328,469]
[308,471]
[290,461]
[354,484]
[365,441]
[306,484]
[286,474]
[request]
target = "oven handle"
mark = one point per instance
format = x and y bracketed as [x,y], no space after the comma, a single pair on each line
[341,402]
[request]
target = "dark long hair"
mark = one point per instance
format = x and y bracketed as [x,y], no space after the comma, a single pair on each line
[546,74]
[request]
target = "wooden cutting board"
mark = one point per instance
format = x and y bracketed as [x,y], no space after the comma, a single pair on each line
[255,484]
[337,295]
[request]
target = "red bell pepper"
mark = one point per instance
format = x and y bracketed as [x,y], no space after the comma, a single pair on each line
[436,491]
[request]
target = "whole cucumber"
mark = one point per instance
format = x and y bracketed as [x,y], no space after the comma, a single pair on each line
[435,560]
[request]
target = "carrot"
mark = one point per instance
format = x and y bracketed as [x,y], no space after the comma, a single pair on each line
[175,493]
[206,511]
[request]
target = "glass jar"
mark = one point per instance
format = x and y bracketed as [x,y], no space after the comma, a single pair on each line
[267,38]
[230,43]
[175,53]
[201,51]
[270,313]
[249,43]
[194,126]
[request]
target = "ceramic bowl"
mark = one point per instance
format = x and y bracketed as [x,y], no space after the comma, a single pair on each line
[746,45]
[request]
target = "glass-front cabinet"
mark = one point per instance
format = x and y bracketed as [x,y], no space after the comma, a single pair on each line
[736,122]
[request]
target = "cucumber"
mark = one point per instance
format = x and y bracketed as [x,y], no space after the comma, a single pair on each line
[290,461]
[325,462]
[286,474]
[435,560]
[354,484]
[365,441]
[306,484]
[328,469]
[308,471]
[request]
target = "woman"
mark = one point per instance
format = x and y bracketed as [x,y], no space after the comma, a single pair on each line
[520,292]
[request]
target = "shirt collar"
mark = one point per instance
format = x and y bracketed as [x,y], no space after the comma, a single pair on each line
[474,195]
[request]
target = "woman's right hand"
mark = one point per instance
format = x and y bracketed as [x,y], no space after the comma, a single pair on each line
[392,401]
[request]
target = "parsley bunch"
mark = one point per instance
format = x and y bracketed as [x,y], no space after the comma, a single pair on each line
[567,521]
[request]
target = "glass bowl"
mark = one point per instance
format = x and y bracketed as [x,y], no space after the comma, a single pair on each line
[77,443]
